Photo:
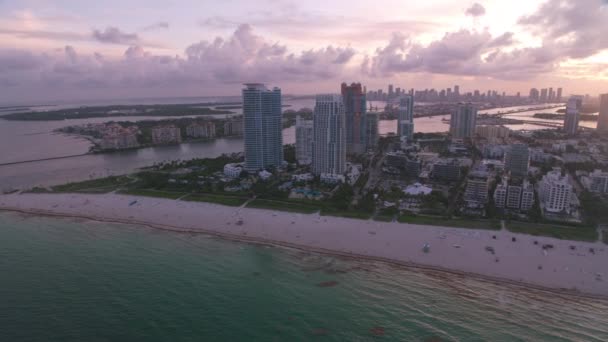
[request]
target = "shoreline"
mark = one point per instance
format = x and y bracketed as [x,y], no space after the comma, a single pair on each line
[262,239]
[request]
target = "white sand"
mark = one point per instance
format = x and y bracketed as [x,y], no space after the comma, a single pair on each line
[562,268]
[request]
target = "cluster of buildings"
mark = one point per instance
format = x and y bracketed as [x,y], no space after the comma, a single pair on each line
[546,95]
[116,137]
[340,125]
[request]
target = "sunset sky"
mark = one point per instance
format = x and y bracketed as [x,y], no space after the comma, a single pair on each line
[68,49]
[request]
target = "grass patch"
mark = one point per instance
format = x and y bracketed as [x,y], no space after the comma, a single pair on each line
[354,214]
[153,193]
[101,185]
[233,201]
[577,233]
[447,222]
[289,206]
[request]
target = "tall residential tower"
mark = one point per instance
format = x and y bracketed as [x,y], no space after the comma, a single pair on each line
[329,143]
[463,121]
[355,107]
[572,117]
[602,123]
[405,118]
[262,127]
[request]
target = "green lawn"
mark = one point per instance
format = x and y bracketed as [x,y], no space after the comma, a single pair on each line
[153,193]
[577,233]
[354,214]
[233,201]
[101,185]
[453,222]
[290,206]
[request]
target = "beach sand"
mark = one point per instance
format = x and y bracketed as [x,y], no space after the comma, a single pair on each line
[561,268]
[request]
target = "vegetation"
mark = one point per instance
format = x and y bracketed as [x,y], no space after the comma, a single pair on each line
[120,110]
[290,206]
[101,185]
[577,233]
[153,193]
[233,201]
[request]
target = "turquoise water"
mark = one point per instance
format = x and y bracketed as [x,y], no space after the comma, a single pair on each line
[73,280]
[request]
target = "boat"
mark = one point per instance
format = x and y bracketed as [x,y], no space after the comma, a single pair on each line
[426,248]
[132,203]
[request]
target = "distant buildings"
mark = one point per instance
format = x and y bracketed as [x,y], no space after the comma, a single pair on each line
[555,192]
[463,121]
[329,143]
[116,137]
[199,130]
[405,118]
[354,108]
[517,160]
[168,134]
[233,127]
[571,119]
[263,127]
[492,132]
[304,139]
[602,123]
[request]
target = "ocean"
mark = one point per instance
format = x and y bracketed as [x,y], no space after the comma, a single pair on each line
[79,280]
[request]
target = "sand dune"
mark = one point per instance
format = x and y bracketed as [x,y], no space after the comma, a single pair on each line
[560,268]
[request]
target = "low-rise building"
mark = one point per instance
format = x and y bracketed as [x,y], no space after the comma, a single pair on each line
[476,192]
[332,178]
[598,181]
[305,177]
[555,192]
[446,170]
[418,189]
[264,175]
[233,170]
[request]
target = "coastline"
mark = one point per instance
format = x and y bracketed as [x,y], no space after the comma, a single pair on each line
[111,209]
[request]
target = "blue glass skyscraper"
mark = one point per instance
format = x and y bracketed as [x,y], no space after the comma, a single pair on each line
[262,127]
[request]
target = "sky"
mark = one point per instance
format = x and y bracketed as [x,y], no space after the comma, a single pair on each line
[74,50]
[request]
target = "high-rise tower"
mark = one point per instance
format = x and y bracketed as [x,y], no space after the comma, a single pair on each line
[263,130]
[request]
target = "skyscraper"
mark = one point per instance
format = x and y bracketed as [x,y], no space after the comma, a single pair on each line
[534,94]
[572,114]
[517,160]
[304,138]
[262,127]
[355,107]
[463,121]
[405,118]
[602,122]
[390,91]
[558,97]
[371,130]
[543,95]
[329,142]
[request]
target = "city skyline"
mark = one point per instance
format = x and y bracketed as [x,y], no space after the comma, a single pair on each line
[68,51]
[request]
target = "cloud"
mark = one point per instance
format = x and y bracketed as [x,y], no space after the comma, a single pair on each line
[243,56]
[113,35]
[464,53]
[161,25]
[476,10]
[572,29]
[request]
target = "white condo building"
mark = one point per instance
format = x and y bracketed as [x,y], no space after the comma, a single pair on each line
[329,141]
[555,192]
[304,138]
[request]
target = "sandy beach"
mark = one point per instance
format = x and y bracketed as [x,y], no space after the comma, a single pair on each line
[575,267]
